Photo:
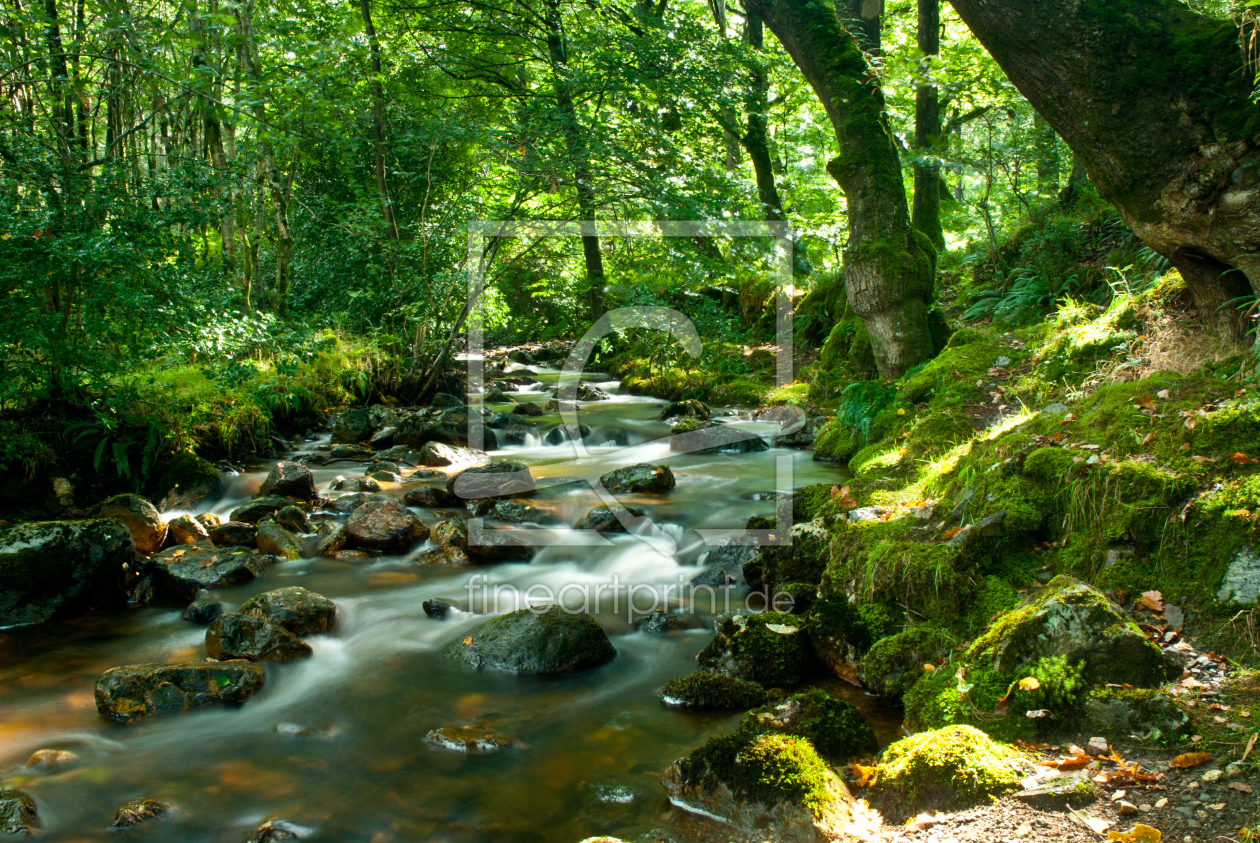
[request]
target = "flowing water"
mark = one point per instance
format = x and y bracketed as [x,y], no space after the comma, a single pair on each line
[336,743]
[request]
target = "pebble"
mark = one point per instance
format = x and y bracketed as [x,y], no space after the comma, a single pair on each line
[1162,802]
[1144,808]
[1211,776]
[1233,769]
[1126,808]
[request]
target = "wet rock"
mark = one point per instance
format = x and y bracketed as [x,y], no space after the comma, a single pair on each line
[127,694]
[259,508]
[276,540]
[562,433]
[208,520]
[713,691]
[691,437]
[754,783]
[641,478]
[520,512]
[1242,578]
[294,518]
[294,609]
[549,640]
[352,426]
[278,831]
[148,531]
[717,576]
[367,484]
[581,392]
[802,561]
[359,453]
[435,454]
[469,739]
[234,534]
[442,555]
[480,507]
[18,814]
[689,409]
[183,571]
[351,556]
[384,524]
[51,758]
[895,662]
[496,480]
[202,611]
[431,497]
[659,621]
[492,545]
[380,416]
[332,540]
[495,395]
[943,769]
[346,504]
[61,569]
[383,438]
[139,811]
[1069,618]
[289,479]
[237,636]
[444,401]
[188,481]
[770,648]
[527,408]
[435,608]
[184,530]
[604,519]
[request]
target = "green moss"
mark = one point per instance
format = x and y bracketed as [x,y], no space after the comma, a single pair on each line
[836,729]
[769,769]
[895,663]
[834,618]
[941,769]
[994,597]
[188,472]
[713,691]
[950,378]
[744,648]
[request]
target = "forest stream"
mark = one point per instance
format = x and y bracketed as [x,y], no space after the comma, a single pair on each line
[337,742]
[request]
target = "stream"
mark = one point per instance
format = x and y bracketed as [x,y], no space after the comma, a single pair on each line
[336,743]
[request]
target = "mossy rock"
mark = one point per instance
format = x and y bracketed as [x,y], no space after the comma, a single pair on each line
[942,769]
[950,378]
[841,632]
[1121,712]
[837,730]
[770,648]
[712,691]
[188,480]
[895,663]
[802,561]
[528,641]
[61,569]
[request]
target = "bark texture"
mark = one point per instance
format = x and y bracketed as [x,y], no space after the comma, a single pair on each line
[888,266]
[1154,100]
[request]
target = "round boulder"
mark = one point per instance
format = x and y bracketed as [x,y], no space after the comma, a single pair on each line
[295,609]
[237,636]
[496,480]
[385,524]
[147,529]
[641,478]
[185,530]
[289,479]
[545,640]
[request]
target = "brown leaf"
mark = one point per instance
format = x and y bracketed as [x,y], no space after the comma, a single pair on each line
[1075,762]
[1251,744]
[861,775]
[1241,787]
[468,641]
[951,532]
[842,498]
[1185,447]
[1146,401]
[1242,459]
[1153,600]
[1190,759]
[1148,438]
[1201,458]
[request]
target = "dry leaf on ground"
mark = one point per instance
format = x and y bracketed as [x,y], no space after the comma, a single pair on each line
[1190,759]
[1153,600]
[861,775]
[1139,834]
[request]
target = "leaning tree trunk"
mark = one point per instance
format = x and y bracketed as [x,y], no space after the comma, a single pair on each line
[1154,99]
[888,266]
[927,131]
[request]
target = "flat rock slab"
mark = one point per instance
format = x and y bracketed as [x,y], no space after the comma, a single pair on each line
[469,739]
[127,694]
[185,570]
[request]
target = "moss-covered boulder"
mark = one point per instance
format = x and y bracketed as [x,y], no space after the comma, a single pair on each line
[802,561]
[1072,619]
[289,479]
[352,426]
[894,663]
[774,785]
[234,635]
[604,518]
[259,508]
[689,409]
[148,530]
[550,640]
[837,730]
[712,691]
[127,694]
[61,569]
[295,609]
[643,478]
[276,540]
[693,437]
[941,770]
[770,648]
[188,481]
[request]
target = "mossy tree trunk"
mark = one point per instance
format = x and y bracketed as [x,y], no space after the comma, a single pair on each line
[927,131]
[756,141]
[1154,99]
[888,267]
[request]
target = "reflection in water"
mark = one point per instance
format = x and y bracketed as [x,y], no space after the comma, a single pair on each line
[336,742]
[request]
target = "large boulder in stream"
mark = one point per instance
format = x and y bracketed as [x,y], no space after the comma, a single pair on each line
[490,545]
[385,524]
[188,481]
[148,530]
[185,530]
[234,635]
[1072,619]
[541,640]
[431,497]
[289,479]
[60,569]
[641,478]
[693,437]
[770,648]
[352,426]
[295,609]
[689,409]
[183,571]
[234,534]
[435,454]
[276,540]
[127,694]
[604,518]
[259,508]
[18,814]
[498,480]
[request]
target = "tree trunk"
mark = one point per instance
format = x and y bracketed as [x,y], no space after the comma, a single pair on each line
[888,266]
[1155,100]
[579,160]
[927,131]
[863,19]
[378,120]
[756,141]
[1049,163]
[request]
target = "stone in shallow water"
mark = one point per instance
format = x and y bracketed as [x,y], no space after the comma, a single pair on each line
[59,569]
[139,811]
[50,758]
[604,519]
[239,636]
[641,478]
[184,530]
[276,540]
[546,640]
[127,694]
[384,524]
[234,534]
[259,508]
[202,611]
[278,831]
[148,530]
[289,479]
[185,570]
[294,609]
[17,812]
[469,739]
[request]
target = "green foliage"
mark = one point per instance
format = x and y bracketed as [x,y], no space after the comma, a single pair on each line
[949,767]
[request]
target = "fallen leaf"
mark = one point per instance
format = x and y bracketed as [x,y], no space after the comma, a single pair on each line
[1153,600]
[1146,401]
[1139,834]
[861,775]
[1148,438]
[1190,759]
[1251,744]
[1185,447]
[929,667]
[468,641]
[1075,762]
[1202,459]
[1242,459]
[842,498]
[951,532]
[1029,683]
[1163,395]
[1241,787]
